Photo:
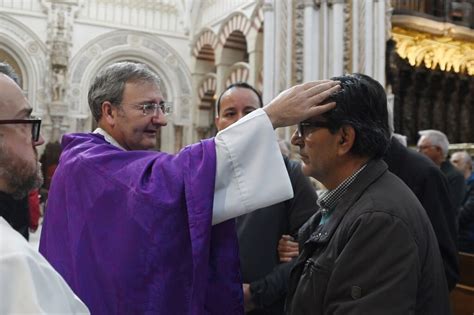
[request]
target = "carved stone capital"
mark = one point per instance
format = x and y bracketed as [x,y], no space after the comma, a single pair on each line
[310,3]
[267,7]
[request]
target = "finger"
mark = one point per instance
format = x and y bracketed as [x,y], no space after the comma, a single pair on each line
[286,245]
[287,237]
[320,109]
[320,88]
[291,253]
[318,99]
[308,85]
[291,243]
[285,259]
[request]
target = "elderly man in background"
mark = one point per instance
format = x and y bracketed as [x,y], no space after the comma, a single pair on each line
[28,283]
[136,231]
[463,161]
[435,145]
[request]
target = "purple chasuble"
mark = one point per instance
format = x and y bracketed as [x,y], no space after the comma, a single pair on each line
[130,231]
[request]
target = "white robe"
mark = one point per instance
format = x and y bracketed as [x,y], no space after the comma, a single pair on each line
[28,283]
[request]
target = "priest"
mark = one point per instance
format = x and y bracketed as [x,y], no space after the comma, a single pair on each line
[135,231]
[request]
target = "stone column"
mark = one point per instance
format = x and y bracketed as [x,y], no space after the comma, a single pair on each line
[311,54]
[355,35]
[178,138]
[269,51]
[337,38]
[196,79]
[324,47]
[368,21]
[380,42]
[255,56]
[59,41]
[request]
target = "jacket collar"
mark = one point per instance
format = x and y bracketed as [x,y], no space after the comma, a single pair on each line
[322,233]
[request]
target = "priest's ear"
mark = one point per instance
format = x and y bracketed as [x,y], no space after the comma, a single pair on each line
[109,112]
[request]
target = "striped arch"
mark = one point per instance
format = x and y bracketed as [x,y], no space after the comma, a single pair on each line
[257,18]
[205,45]
[207,91]
[235,22]
[239,72]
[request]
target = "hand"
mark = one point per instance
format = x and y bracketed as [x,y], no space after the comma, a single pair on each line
[248,304]
[301,102]
[287,248]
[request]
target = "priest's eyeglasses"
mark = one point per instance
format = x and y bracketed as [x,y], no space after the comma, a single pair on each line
[304,126]
[152,108]
[35,125]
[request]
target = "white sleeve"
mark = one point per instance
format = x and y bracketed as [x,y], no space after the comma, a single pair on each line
[250,171]
[28,283]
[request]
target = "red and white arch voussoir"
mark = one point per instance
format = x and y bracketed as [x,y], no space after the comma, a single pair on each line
[236,22]
[205,37]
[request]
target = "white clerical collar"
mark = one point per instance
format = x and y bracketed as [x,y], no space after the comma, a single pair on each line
[108,138]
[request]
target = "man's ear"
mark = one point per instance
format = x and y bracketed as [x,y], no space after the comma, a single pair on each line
[346,139]
[109,113]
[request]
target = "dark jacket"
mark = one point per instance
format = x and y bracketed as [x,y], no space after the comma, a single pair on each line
[16,213]
[456,183]
[377,254]
[466,219]
[429,184]
[259,233]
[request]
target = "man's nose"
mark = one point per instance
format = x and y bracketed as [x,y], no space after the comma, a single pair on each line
[40,141]
[159,119]
[296,140]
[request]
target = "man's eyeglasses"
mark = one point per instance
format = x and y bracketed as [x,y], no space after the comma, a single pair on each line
[152,108]
[35,125]
[305,125]
[424,147]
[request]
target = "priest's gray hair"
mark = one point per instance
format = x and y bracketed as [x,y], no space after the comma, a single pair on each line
[110,82]
[6,69]
[437,138]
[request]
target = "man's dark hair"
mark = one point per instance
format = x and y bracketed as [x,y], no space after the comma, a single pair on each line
[362,104]
[6,69]
[242,85]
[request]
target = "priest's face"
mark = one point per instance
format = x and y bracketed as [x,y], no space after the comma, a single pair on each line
[133,128]
[19,167]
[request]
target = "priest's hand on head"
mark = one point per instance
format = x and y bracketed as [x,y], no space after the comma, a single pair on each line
[301,102]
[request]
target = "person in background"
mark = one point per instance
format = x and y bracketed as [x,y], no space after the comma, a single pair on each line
[434,144]
[28,285]
[265,279]
[370,248]
[463,162]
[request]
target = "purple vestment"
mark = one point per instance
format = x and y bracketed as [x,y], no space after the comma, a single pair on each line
[130,231]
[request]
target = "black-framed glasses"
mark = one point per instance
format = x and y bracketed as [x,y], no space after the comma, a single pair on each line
[152,108]
[305,125]
[35,125]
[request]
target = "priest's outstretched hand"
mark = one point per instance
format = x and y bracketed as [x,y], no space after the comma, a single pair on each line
[300,102]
